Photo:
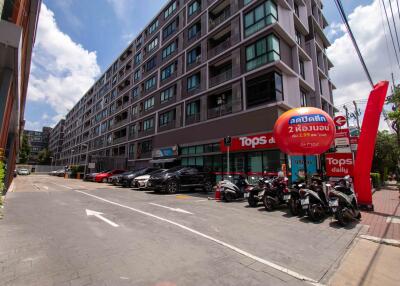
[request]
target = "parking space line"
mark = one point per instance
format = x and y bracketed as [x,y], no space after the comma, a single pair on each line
[220,242]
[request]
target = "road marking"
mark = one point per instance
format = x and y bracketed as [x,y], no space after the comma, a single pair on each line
[172,209]
[198,201]
[99,215]
[182,196]
[393,219]
[234,248]
[388,241]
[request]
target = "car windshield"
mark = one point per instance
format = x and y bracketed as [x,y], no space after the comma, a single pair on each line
[175,169]
[158,171]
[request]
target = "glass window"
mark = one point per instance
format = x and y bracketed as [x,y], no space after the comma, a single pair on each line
[199,161]
[148,124]
[193,55]
[246,2]
[166,117]
[193,108]
[192,150]
[303,98]
[199,149]
[184,150]
[167,94]
[271,161]
[170,29]
[149,103]
[171,8]
[132,151]
[302,73]
[194,7]
[193,81]
[153,27]
[194,30]
[150,83]
[264,89]
[168,71]
[254,162]
[136,75]
[263,51]
[298,37]
[261,16]
[169,50]
[151,63]
[153,44]
[191,161]
[135,92]
[138,58]
[184,161]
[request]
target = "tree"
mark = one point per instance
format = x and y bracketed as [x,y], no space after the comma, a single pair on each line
[386,154]
[25,150]
[394,115]
[44,157]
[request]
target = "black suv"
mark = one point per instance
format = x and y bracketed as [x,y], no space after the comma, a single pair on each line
[177,178]
[127,179]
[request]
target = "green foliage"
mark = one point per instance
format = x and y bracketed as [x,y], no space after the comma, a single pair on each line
[44,157]
[75,169]
[2,176]
[394,115]
[376,179]
[386,154]
[25,150]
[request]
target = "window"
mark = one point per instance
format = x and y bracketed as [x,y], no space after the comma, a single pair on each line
[153,44]
[135,92]
[148,124]
[194,30]
[136,75]
[169,50]
[320,86]
[151,63]
[194,7]
[166,117]
[153,27]
[263,51]
[193,108]
[303,98]
[264,89]
[302,73]
[150,83]
[193,81]
[298,37]
[149,103]
[246,2]
[296,9]
[261,16]
[168,71]
[167,94]
[138,58]
[170,10]
[170,29]
[146,146]
[135,110]
[193,55]
[132,151]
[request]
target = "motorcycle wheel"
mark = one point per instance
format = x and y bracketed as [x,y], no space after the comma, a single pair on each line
[229,197]
[268,204]
[316,213]
[294,210]
[342,218]
[252,200]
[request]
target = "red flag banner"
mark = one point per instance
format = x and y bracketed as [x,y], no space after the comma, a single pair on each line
[366,143]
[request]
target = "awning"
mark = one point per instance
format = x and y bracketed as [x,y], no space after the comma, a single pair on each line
[167,160]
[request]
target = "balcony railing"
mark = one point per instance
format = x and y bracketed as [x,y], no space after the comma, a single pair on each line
[219,48]
[120,123]
[190,119]
[219,111]
[167,126]
[226,13]
[220,78]
[146,132]
[120,140]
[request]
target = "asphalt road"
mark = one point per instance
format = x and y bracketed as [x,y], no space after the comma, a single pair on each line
[143,238]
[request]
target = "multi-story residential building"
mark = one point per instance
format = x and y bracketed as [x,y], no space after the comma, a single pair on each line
[38,141]
[18,23]
[56,141]
[202,70]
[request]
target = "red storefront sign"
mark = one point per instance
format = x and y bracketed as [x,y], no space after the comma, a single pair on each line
[339,164]
[342,133]
[254,142]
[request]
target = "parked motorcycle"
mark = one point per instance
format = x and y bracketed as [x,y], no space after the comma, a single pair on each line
[314,199]
[343,202]
[231,191]
[254,194]
[294,202]
[276,193]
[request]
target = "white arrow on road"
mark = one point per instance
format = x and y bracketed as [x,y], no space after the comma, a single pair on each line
[99,215]
[172,209]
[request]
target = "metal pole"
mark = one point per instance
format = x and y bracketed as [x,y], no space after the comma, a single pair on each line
[228,162]
[347,115]
[356,114]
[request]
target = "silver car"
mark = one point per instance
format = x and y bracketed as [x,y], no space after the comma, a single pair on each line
[23,171]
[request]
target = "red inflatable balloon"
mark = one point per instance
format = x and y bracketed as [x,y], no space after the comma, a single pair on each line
[304,131]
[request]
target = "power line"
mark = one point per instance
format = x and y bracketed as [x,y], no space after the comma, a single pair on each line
[394,25]
[390,30]
[386,38]
[344,18]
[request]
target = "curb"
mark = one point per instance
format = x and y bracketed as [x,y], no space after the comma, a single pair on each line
[387,241]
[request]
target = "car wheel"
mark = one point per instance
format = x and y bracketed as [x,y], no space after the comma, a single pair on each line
[172,187]
[208,187]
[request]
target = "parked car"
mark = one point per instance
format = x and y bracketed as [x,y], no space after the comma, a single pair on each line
[103,177]
[58,173]
[178,178]
[23,171]
[141,181]
[126,180]
[90,176]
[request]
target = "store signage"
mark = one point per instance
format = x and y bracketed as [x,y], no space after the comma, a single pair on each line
[304,131]
[166,152]
[342,133]
[260,141]
[353,143]
[339,120]
[342,141]
[339,164]
[91,165]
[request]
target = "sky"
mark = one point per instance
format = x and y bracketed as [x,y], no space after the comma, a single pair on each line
[78,39]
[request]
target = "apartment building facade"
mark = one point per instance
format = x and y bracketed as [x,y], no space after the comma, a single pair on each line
[200,71]
[56,141]
[38,141]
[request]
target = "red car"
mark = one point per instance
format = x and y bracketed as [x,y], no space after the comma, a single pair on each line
[102,177]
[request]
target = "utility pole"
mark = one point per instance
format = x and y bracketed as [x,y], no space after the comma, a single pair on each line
[357,115]
[347,115]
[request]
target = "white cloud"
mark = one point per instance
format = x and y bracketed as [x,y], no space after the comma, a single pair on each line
[347,74]
[62,70]
[122,8]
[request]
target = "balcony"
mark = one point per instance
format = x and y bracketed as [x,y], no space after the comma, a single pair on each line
[219,111]
[146,132]
[217,19]
[193,118]
[120,140]
[221,77]
[219,46]
[168,126]
[120,123]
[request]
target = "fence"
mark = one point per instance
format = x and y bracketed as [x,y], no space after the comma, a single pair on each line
[39,168]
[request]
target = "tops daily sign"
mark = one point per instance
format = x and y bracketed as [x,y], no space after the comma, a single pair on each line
[260,141]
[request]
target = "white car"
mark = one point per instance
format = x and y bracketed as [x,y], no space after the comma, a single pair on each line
[141,181]
[23,171]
